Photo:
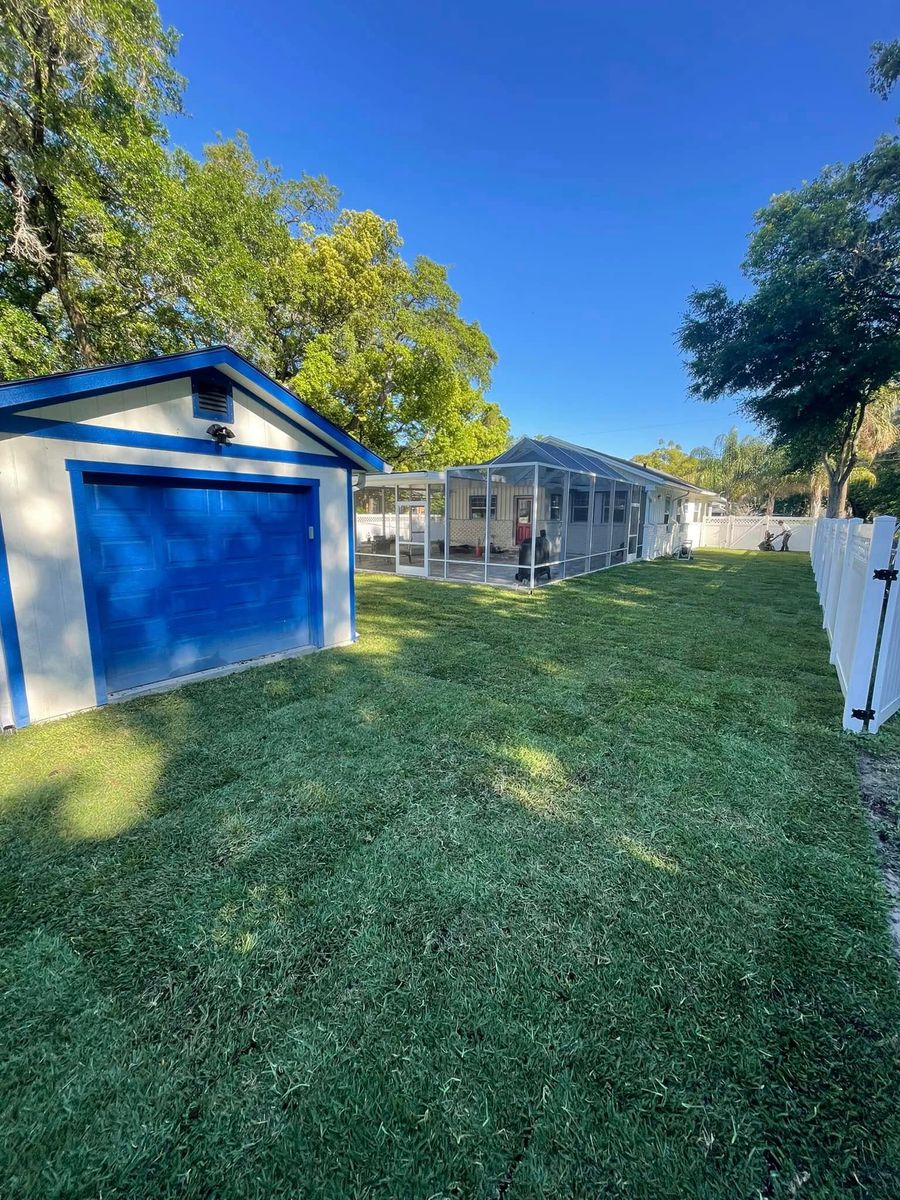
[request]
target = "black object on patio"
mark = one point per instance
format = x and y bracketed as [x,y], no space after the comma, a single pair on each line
[541,559]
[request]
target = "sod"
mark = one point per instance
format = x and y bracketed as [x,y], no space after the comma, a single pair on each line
[564,895]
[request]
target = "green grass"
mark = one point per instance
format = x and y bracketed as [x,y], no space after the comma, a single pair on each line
[567,895]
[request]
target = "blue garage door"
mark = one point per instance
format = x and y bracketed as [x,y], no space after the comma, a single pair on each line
[187,577]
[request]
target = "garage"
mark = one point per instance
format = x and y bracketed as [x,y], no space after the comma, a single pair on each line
[191,574]
[164,520]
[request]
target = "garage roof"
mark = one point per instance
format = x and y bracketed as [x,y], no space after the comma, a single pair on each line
[23,394]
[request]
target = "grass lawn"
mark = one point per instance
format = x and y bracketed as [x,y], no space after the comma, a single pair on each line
[567,895]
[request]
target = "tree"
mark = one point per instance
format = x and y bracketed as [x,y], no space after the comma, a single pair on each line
[113,247]
[819,336]
[878,492]
[84,89]
[387,353]
[749,471]
[223,241]
[884,69]
[325,301]
[672,459]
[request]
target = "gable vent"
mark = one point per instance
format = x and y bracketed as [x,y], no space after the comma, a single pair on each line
[213,399]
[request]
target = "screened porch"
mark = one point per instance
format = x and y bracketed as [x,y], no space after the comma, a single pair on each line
[521,524]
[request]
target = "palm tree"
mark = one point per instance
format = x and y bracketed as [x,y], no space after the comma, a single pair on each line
[749,471]
[878,434]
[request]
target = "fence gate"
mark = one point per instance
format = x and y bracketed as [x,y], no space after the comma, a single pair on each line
[854,568]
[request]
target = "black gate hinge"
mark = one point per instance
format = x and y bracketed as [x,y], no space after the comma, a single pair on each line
[863,714]
[886,574]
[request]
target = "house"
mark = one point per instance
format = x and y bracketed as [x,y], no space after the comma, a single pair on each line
[164,519]
[543,510]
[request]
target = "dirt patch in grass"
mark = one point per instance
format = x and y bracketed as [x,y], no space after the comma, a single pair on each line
[879,780]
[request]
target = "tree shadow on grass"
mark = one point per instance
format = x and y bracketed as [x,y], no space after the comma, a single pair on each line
[359,919]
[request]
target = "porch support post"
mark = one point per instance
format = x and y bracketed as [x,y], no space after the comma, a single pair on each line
[534,520]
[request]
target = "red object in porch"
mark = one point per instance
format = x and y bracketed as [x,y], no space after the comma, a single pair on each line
[523,532]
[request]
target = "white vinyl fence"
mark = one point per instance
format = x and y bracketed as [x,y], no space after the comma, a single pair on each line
[746,533]
[853,565]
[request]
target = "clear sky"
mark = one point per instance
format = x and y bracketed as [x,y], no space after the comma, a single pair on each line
[581,166]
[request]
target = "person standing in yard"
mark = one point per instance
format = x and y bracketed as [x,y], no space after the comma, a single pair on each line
[785,532]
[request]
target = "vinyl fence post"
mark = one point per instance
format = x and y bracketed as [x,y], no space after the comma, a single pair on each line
[885,691]
[844,571]
[860,676]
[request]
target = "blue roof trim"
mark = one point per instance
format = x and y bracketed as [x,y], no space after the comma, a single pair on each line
[351,534]
[93,381]
[349,444]
[107,435]
[9,638]
[97,381]
[291,422]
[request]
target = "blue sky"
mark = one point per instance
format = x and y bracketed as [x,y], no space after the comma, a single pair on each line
[580,166]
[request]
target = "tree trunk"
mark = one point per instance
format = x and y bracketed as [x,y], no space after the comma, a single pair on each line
[816,492]
[770,504]
[842,495]
[840,470]
[59,274]
[838,482]
[45,200]
[832,506]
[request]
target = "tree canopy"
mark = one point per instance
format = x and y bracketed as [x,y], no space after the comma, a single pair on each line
[671,458]
[747,470]
[818,337]
[115,246]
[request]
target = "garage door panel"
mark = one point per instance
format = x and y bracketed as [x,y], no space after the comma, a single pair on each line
[280,586]
[126,554]
[192,599]
[187,578]
[243,593]
[186,500]
[187,655]
[277,502]
[189,551]
[238,547]
[127,500]
[287,545]
[125,637]
[239,500]
[134,606]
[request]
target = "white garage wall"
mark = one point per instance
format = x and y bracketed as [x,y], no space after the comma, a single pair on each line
[39,523]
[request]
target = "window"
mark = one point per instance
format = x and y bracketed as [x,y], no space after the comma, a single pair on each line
[601,508]
[619,510]
[555,506]
[667,510]
[477,505]
[579,504]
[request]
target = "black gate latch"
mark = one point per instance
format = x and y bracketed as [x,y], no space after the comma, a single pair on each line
[863,714]
[886,574]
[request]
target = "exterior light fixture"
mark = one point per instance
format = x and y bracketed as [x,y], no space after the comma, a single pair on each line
[220,434]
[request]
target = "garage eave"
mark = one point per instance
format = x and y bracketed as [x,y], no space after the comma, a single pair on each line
[44,390]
